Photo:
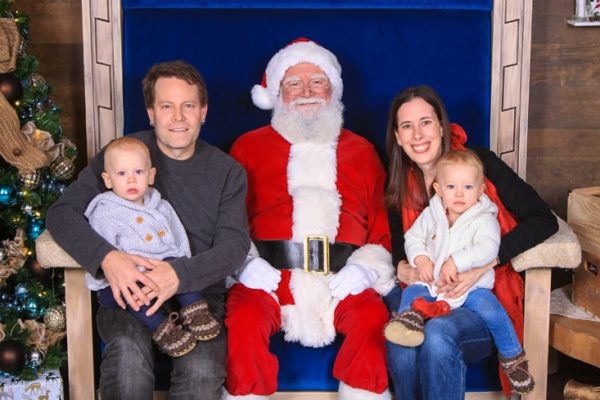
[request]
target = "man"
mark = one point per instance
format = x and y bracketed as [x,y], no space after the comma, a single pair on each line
[207,190]
[309,181]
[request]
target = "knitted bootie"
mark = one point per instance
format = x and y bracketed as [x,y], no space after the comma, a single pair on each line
[405,329]
[171,339]
[517,371]
[198,321]
[431,309]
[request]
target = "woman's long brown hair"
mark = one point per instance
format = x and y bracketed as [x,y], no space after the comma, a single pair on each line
[399,163]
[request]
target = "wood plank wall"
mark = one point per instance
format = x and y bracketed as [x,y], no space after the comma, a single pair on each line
[564,112]
[564,109]
[56,41]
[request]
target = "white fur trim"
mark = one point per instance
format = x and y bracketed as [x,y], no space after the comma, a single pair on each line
[261,98]
[310,320]
[377,258]
[296,53]
[311,184]
[227,396]
[347,392]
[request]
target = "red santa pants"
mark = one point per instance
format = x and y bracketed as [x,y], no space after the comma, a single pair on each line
[253,316]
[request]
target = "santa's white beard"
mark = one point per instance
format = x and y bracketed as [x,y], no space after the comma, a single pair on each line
[320,125]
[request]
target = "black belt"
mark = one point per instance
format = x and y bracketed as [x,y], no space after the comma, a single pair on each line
[285,254]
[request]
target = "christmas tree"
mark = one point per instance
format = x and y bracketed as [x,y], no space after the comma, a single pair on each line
[36,163]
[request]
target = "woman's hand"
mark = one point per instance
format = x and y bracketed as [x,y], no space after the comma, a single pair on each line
[464,281]
[407,274]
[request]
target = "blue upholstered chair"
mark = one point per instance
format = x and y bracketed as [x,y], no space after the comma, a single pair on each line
[393,45]
[381,52]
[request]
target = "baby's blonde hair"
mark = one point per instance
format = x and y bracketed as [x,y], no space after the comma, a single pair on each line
[461,157]
[127,143]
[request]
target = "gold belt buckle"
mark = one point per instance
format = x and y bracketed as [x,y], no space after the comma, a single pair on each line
[316,254]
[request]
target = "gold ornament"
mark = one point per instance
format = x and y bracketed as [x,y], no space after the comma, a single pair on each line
[63,168]
[55,319]
[30,180]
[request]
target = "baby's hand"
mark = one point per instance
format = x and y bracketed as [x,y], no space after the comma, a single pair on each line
[448,272]
[425,268]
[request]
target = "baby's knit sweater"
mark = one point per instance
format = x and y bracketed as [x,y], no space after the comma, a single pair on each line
[151,230]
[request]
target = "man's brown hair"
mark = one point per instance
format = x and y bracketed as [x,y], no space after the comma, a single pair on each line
[173,69]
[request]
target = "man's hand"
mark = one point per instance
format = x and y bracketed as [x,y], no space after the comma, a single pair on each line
[449,272]
[352,279]
[257,273]
[407,274]
[167,283]
[425,268]
[122,273]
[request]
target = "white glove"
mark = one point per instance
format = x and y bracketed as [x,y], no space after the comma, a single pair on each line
[352,279]
[257,273]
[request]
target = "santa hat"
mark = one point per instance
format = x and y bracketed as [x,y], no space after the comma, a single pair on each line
[301,50]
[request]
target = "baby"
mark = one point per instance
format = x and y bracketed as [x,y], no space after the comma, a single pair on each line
[136,220]
[458,231]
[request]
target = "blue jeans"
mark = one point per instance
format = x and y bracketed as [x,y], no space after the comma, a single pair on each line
[105,297]
[126,370]
[437,369]
[483,303]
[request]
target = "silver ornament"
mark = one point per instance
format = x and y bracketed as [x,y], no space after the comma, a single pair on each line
[30,180]
[37,80]
[34,357]
[27,209]
[55,319]
[63,168]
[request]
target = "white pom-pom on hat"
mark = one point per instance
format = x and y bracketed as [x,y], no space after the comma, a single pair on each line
[301,50]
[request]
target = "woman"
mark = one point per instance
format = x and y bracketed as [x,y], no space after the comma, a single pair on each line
[418,133]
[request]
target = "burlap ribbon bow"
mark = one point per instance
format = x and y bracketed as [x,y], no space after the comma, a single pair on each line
[9,44]
[14,147]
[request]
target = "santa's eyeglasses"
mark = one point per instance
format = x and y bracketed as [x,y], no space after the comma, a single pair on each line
[294,85]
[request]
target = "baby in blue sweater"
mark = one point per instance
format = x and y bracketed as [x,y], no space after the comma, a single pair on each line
[136,220]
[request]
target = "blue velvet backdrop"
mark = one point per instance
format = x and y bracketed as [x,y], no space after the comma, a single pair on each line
[383,47]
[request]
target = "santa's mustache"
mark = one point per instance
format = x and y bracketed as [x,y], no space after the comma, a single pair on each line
[309,100]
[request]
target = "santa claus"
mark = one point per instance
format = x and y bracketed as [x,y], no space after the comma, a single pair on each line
[320,260]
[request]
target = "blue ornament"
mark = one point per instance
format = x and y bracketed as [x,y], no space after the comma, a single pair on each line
[6,193]
[21,292]
[35,228]
[15,306]
[31,308]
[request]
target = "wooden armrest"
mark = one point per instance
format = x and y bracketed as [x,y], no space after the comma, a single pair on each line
[51,255]
[79,316]
[561,250]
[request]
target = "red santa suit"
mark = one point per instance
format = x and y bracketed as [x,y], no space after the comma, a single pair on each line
[332,188]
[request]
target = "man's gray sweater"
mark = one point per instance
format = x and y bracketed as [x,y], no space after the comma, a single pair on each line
[208,193]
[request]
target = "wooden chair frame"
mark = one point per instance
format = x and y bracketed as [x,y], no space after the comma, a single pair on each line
[508,127]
